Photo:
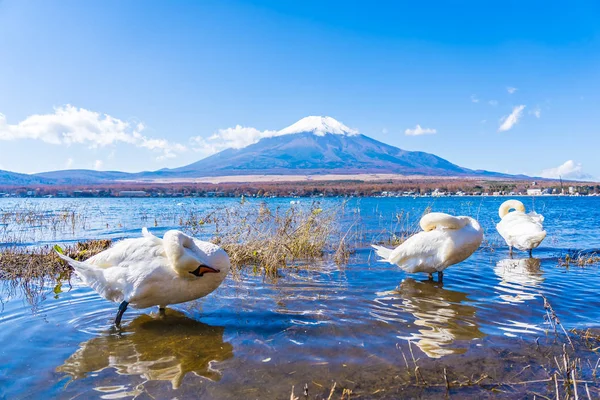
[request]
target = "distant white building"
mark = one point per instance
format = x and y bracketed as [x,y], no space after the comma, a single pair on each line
[132,193]
[534,192]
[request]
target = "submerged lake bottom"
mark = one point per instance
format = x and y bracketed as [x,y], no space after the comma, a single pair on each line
[496,327]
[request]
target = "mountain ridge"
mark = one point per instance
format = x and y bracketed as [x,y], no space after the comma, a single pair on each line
[311,146]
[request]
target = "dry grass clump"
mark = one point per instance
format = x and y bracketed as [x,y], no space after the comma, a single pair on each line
[579,259]
[29,269]
[268,238]
[23,263]
[591,338]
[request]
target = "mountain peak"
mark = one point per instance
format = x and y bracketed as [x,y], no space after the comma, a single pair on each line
[319,126]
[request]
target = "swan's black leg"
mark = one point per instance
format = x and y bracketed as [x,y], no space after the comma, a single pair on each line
[430,276]
[530,255]
[122,308]
[440,276]
[510,251]
[161,311]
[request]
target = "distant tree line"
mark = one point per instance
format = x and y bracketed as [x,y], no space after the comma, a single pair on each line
[301,189]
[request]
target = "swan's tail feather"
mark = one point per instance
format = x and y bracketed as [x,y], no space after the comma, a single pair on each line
[148,235]
[534,240]
[539,218]
[382,252]
[90,274]
[77,265]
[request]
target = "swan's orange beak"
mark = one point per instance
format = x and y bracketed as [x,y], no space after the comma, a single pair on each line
[203,269]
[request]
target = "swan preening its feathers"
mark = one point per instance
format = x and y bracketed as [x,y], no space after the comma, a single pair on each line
[520,230]
[446,240]
[150,271]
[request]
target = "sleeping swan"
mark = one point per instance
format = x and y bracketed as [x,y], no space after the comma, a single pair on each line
[520,230]
[150,271]
[446,240]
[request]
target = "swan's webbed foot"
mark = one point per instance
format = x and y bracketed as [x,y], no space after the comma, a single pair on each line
[440,276]
[430,276]
[122,308]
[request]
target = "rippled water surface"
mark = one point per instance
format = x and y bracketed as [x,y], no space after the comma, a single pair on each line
[355,325]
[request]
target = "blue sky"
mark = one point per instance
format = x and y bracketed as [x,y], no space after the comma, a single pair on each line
[142,85]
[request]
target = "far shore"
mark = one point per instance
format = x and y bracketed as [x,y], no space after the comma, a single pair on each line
[313,178]
[330,185]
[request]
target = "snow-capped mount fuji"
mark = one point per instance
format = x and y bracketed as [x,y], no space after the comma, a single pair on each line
[320,126]
[312,146]
[320,145]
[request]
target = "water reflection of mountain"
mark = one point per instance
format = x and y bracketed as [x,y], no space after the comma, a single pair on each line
[443,316]
[155,348]
[519,279]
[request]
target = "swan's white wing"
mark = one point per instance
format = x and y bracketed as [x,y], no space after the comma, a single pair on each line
[523,231]
[128,252]
[422,252]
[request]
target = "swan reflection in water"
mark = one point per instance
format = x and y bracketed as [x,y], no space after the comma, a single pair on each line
[442,316]
[164,349]
[519,278]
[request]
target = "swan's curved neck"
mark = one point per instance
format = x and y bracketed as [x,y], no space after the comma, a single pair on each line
[510,205]
[175,244]
[432,220]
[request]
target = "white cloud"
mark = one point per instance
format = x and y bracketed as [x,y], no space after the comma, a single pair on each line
[240,136]
[511,89]
[568,170]
[474,99]
[493,103]
[71,125]
[510,120]
[537,112]
[69,163]
[235,138]
[419,131]
[98,165]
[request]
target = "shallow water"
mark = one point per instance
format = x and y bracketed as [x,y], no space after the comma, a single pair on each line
[354,325]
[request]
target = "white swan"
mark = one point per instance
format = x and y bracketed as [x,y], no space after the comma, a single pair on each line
[446,240]
[150,271]
[520,230]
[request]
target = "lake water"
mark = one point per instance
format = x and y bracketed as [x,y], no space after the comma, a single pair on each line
[354,325]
